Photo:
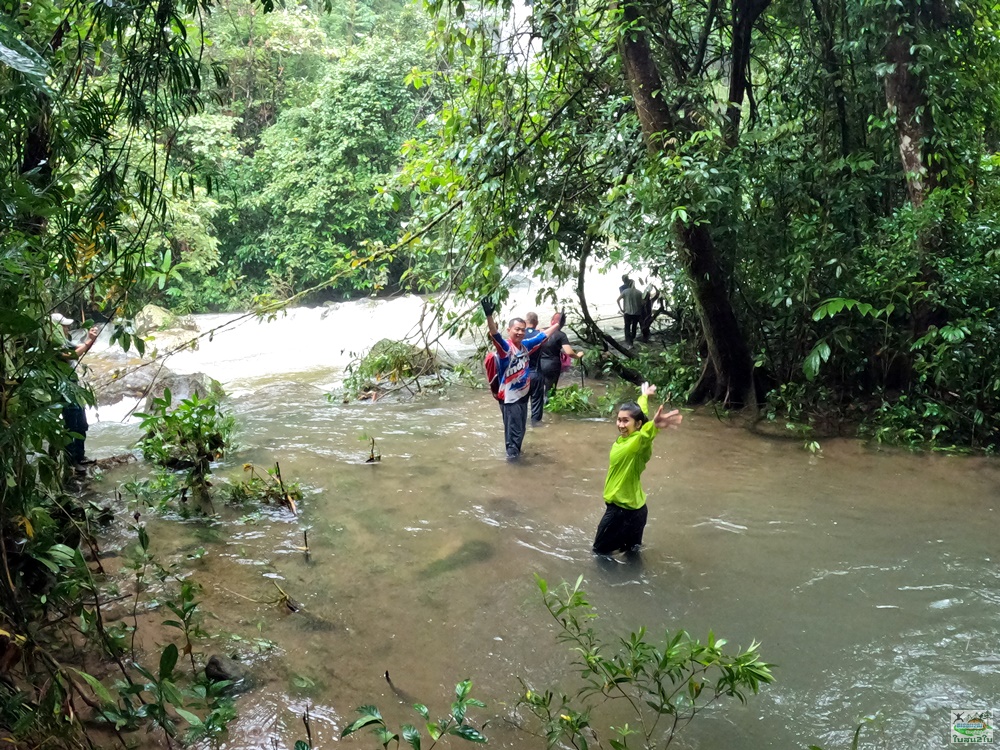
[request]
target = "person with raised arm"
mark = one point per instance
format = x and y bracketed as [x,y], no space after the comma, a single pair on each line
[621,528]
[515,374]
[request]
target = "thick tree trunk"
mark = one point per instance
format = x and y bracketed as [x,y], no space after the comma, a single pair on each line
[907,100]
[904,94]
[729,376]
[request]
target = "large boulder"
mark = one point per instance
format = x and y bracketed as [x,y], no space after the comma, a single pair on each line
[111,387]
[183,387]
[155,318]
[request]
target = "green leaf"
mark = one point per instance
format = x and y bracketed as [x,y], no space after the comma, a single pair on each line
[99,690]
[19,56]
[189,717]
[421,709]
[364,721]
[168,660]
[302,745]
[468,733]
[412,736]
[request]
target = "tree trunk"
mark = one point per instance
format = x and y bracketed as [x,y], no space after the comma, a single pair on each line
[596,332]
[906,98]
[745,15]
[835,73]
[729,376]
[904,94]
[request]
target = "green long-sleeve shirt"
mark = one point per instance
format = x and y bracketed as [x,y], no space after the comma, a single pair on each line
[629,456]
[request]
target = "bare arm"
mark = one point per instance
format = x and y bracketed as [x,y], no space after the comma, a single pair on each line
[88,342]
[492,325]
[662,420]
[569,350]
[79,351]
[556,325]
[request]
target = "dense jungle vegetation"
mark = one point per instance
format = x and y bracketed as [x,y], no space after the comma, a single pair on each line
[816,184]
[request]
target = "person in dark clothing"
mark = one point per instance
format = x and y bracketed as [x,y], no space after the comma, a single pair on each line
[74,416]
[537,391]
[630,303]
[551,364]
[646,318]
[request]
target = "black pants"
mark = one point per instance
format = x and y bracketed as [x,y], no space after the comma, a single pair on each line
[543,381]
[75,419]
[515,417]
[538,391]
[620,530]
[631,327]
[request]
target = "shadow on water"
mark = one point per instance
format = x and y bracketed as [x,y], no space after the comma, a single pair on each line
[470,553]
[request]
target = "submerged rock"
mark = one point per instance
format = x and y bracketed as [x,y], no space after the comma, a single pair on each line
[223,669]
[183,387]
[471,552]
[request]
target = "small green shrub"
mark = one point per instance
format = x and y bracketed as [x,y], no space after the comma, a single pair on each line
[662,686]
[573,399]
[266,489]
[190,437]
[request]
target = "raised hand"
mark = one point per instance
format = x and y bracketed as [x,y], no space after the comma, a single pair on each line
[648,390]
[665,420]
[489,306]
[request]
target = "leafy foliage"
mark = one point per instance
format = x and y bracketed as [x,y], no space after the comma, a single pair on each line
[455,724]
[670,682]
[389,364]
[268,488]
[573,399]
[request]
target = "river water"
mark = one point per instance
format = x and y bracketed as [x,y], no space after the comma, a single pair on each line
[871,578]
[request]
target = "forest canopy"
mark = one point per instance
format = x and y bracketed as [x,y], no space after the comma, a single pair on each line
[814,185]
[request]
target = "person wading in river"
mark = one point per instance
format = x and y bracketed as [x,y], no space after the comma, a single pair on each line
[515,375]
[620,530]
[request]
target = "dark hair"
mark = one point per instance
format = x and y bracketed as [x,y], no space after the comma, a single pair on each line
[635,411]
[512,321]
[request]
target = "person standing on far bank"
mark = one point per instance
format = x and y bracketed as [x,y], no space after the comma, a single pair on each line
[515,375]
[630,303]
[620,530]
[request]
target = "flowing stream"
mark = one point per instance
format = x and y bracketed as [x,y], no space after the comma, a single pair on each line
[870,577]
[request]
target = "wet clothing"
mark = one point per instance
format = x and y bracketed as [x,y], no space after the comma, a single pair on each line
[620,530]
[537,390]
[515,419]
[514,366]
[515,386]
[622,488]
[75,420]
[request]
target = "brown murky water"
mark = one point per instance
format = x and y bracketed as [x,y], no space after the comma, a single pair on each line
[871,578]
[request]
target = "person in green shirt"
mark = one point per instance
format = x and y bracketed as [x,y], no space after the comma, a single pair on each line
[620,530]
